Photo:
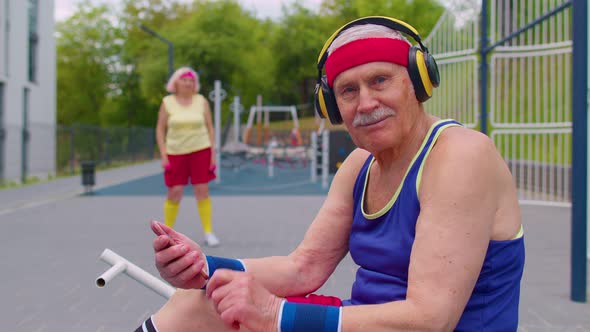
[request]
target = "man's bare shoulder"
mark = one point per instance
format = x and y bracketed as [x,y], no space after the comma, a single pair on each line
[465,146]
[347,172]
[355,159]
[466,152]
[465,139]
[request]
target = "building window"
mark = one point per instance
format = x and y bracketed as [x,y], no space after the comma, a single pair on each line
[33,39]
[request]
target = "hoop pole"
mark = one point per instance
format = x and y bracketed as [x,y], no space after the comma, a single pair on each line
[579,230]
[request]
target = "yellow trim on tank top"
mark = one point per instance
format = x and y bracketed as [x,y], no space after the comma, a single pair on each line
[419,176]
[519,234]
[399,188]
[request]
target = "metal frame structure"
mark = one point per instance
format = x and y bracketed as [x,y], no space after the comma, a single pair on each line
[517,70]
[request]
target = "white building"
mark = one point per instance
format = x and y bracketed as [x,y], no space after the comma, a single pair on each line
[27,89]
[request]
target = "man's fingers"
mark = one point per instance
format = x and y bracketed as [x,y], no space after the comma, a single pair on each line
[161,242]
[219,279]
[183,261]
[230,319]
[176,254]
[186,276]
[155,227]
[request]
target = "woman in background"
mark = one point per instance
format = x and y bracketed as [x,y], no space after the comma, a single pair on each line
[185,139]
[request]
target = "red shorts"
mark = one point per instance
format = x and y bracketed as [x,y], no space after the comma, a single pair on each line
[195,165]
[316,299]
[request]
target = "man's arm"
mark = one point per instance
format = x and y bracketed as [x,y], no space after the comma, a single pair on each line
[458,200]
[324,244]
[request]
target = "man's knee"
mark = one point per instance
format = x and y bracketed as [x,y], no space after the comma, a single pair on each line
[188,310]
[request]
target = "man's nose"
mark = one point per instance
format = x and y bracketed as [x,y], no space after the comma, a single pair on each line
[367,100]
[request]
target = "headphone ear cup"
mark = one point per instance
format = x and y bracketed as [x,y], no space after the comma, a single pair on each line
[432,68]
[320,106]
[415,76]
[325,102]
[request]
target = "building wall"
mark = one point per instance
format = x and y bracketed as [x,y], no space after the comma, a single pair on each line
[29,106]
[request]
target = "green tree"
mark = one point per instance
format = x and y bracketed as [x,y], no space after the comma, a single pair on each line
[88,47]
[421,14]
[111,72]
[231,50]
[296,46]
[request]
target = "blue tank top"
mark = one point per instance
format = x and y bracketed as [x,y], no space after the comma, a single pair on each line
[380,244]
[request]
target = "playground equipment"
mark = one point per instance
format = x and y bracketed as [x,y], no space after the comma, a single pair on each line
[320,156]
[269,150]
[121,265]
[257,111]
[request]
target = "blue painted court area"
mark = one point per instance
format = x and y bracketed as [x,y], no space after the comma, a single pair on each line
[249,179]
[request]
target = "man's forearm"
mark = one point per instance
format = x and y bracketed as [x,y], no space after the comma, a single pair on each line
[279,274]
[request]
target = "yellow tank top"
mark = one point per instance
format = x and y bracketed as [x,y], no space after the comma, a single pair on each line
[187,131]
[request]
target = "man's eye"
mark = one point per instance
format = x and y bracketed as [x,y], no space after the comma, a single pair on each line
[346,90]
[379,79]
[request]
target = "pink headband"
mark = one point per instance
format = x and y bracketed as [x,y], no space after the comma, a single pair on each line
[188,74]
[363,51]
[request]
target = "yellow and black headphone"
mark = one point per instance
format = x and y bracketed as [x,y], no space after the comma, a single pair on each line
[422,67]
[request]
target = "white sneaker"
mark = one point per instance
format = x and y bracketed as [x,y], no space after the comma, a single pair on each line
[211,240]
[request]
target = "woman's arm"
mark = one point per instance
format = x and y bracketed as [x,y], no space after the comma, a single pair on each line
[324,244]
[209,124]
[161,128]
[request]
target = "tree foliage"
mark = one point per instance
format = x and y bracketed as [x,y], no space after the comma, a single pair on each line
[111,72]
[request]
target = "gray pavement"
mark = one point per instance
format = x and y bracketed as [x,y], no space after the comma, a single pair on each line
[53,237]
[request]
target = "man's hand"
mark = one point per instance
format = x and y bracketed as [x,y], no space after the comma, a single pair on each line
[241,300]
[179,259]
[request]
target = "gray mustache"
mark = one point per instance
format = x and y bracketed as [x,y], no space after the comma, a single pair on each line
[363,119]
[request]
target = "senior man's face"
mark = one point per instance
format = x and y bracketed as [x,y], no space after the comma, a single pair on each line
[376,100]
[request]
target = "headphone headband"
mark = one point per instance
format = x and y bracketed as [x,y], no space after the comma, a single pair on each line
[389,22]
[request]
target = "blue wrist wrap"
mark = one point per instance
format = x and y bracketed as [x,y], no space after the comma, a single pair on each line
[215,263]
[223,263]
[302,317]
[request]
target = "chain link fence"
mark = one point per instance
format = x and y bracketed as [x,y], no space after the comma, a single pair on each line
[42,151]
[104,146]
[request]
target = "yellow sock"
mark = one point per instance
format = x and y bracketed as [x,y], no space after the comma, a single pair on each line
[170,212]
[204,207]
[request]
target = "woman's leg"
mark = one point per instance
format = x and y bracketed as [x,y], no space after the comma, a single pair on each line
[172,204]
[205,212]
[176,177]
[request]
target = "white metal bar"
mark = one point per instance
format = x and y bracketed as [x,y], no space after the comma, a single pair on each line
[325,157]
[236,109]
[558,47]
[314,157]
[121,265]
[217,114]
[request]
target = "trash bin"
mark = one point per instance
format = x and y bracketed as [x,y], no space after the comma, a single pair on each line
[88,179]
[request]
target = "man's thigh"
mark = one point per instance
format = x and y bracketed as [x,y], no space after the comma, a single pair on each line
[188,311]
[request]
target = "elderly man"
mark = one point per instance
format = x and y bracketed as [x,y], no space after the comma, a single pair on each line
[427,209]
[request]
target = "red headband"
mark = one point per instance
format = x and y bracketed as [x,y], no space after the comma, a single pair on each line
[363,51]
[188,74]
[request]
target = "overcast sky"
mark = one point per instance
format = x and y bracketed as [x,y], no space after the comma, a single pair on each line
[264,8]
